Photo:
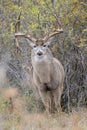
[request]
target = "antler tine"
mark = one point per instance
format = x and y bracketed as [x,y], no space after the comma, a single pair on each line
[28,36]
[49,35]
[56,31]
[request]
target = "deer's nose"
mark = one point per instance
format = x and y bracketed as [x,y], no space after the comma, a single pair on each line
[39,53]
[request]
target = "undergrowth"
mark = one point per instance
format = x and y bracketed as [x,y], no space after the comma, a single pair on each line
[23,113]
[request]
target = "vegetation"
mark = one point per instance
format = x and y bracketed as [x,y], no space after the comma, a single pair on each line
[38,18]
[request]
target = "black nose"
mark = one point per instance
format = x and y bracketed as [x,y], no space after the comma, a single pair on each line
[39,53]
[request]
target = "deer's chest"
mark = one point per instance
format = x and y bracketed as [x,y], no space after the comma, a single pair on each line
[43,72]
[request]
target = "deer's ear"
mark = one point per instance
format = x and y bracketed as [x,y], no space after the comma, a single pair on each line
[31,44]
[48,42]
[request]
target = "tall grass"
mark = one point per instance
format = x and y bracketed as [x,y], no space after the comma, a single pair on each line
[14,115]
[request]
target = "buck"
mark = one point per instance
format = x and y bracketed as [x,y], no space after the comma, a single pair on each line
[48,72]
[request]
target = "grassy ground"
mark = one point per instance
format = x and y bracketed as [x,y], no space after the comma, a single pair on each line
[14,116]
[40,121]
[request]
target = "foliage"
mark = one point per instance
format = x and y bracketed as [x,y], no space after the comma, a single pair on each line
[38,18]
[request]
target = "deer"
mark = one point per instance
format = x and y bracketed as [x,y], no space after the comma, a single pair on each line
[48,72]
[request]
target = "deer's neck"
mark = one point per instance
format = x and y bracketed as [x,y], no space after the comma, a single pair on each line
[42,68]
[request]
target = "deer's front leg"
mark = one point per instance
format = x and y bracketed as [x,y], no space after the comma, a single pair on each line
[57,98]
[51,103]
[45,99]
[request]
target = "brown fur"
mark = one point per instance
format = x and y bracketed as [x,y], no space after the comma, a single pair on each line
[48,77]
[48,72]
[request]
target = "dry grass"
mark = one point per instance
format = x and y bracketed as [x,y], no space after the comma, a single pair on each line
[10,92]
[20,119]
[40,121]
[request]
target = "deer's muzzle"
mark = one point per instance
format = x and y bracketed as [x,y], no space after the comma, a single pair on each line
[39,53]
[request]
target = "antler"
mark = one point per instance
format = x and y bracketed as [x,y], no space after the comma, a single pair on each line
[49,35]
[56,31]
[19,34]
[28,36]
[34,41]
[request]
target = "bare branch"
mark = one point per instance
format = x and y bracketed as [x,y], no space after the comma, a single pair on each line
[16,41]
[17,45]
[17,24]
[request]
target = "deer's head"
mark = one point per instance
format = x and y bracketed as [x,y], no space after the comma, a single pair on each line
[40,48]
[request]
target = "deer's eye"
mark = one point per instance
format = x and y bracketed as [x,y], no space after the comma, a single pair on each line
[35,46]
[44,45]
